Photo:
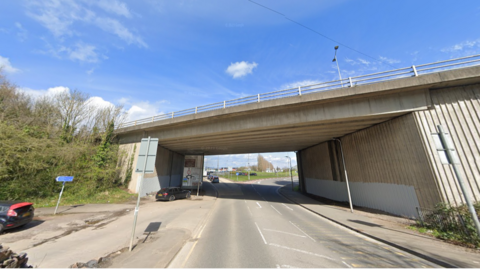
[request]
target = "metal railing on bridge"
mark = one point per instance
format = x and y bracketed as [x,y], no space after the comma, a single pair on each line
[412,71]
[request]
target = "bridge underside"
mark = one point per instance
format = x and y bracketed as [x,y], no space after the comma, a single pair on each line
[385,130]
[275,139]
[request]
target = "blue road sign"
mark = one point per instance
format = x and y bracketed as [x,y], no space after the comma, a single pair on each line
[65,179]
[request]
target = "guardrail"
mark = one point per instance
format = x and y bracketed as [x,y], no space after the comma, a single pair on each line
[413,70]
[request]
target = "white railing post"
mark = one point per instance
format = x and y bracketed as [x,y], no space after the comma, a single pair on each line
[153,117]
[172,114]
[196,110]
[224,103]
[299,90]
[350,79]
[415,70]
[258,98]
[135,123]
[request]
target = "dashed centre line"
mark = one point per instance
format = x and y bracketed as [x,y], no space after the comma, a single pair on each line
[259,205]
[287,206]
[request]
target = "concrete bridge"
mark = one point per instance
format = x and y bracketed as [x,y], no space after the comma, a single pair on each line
[385,128]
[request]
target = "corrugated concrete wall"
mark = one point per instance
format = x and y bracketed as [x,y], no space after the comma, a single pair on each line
[387,165]
[393,153]
[457,109]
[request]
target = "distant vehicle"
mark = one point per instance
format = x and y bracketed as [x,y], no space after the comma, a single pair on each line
[210,176]
[215,179]
[253,174]
[209,172]
[171,194]
[15,214]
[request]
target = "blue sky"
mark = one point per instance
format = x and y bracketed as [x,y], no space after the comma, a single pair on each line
[161,56]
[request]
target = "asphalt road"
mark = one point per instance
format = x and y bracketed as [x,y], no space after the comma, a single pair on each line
[251,225]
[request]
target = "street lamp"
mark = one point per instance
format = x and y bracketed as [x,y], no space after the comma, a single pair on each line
[290,162]
[338,67]
[346,176]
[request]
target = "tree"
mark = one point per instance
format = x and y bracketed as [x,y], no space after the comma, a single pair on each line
[73,108]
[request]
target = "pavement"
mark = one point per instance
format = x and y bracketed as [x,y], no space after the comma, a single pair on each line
[389,230]
[163,244]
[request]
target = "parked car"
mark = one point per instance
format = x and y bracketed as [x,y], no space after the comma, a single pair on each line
[15,214]
[215,179]
[172,193]
[209,176]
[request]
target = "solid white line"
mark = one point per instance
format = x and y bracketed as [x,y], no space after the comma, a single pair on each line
[261,233]
[348,265]
[276,210]
[284,232]
[303,231]
[259,205]
[286,206]
[303,251]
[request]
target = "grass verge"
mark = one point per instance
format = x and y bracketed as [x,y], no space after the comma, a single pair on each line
[112,196]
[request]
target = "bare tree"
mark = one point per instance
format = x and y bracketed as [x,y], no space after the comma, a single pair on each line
[73,108]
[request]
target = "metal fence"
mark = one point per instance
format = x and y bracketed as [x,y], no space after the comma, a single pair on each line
[411,71]
[448,220]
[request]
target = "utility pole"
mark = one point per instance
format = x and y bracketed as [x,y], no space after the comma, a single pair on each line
[338,67]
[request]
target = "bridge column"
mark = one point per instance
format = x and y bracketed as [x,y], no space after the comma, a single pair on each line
[168,169]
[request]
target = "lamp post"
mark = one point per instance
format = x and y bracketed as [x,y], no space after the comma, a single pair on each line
[338,67]
[290,162]
[346,176]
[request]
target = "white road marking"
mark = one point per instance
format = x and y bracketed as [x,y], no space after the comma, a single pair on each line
[348,265]
[276,210]
[245,201]
[261,234]
[191,250]
[249,211]
[303,231]
[284,232]
[286,206]
[302,251]
[259,205]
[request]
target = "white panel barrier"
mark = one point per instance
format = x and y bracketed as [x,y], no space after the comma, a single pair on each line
[400,200]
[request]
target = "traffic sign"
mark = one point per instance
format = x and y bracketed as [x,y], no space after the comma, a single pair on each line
[64,179]
[148,152]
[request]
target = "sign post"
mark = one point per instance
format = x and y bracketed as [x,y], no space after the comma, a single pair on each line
[62,179]
[444,144]
[145,164]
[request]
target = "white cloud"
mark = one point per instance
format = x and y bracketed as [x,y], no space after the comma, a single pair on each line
[240,69]
[390,61]
[22,33]
[59,16]
[6,66]
[297,84]
[114,6]
[115,27]
[98,102]
[465,45]
[83,53]
[142,110]
[41,93]
[365,62]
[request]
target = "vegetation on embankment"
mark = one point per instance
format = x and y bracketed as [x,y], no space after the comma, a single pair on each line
[62,134]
